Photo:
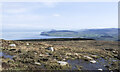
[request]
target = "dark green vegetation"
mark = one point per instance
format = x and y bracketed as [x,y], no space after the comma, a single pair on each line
[39,55]
[98,34]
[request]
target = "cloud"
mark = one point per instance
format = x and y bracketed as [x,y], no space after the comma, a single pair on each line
[56,15]
[20,10]
[20,7]
[50,4]
[14,8]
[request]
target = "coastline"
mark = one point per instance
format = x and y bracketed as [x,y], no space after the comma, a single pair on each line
[56,39]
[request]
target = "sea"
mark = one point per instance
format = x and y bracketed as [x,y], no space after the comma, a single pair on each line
[24,36]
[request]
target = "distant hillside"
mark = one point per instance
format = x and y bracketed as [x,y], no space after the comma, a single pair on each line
[60,33]
[98,34]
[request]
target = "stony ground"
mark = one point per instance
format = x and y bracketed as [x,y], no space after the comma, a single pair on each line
[52,55]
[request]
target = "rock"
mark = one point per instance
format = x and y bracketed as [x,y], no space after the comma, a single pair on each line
[90,58]
[50,48]
[35,53]
[19,51]
[76,54]
[12,49]
[68,53]
[100,69]
[44,59]
[37,63]
[64,59]
[106,66]
[12,45]
[93,61]
[94,56]
[41,55]
[115,52]
[117,56]
[48,54]
[27,44]
[109,49]
[62,63]
[54,60]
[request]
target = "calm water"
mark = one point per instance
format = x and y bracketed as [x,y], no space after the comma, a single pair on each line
[87,65]
[24,35]
[5,55]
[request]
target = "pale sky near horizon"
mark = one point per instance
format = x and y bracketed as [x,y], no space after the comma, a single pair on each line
[59,15]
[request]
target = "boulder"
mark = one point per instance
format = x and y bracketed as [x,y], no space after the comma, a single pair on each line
[115,52]
[50,48]
[41,55]
[89,58]
[35,53]
[48,54]
[68,53]
[94,56]
[62,63]
[27,44]
[93,61]
[12,45]
[37,63]
[100,69]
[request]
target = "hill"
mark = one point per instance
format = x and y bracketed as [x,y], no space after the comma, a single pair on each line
[98,34]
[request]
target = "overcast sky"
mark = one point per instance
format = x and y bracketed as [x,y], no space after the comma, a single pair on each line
[59,15]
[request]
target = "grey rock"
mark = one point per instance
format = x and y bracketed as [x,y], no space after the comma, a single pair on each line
[62,63]
[12,45]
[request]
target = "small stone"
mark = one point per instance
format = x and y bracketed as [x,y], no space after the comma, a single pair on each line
[64,59]
[88,57]
[113,51]
[76,54]
[27,44]
[94,56]
[68,53]
[62,63]
[48,54]
[50,48]
[93,61]
[100,69]
[12,45]
[35,53]
[37,63]
[41,55]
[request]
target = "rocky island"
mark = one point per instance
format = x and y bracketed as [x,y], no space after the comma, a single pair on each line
[60,55]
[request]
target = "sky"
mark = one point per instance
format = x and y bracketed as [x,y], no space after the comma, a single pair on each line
[23,16]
